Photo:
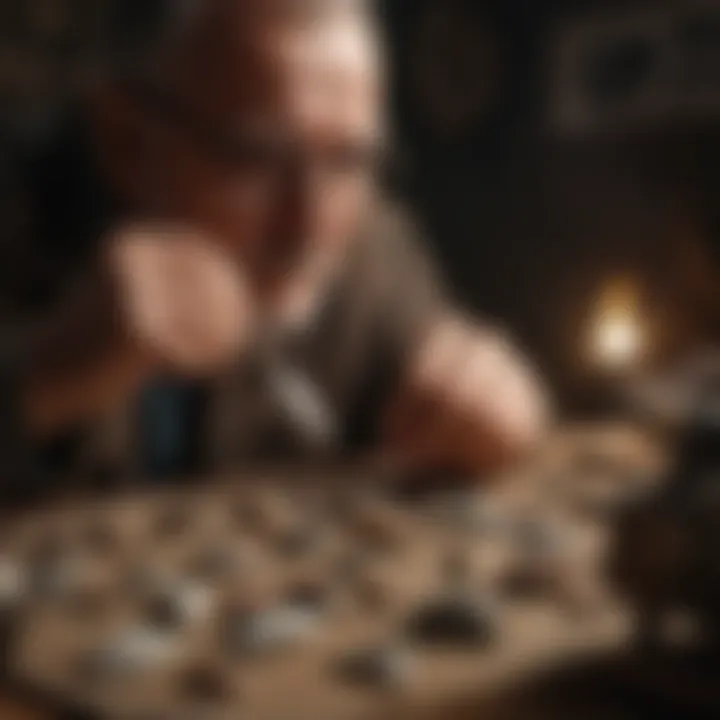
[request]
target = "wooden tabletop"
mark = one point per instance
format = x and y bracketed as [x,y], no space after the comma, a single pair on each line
[491,701]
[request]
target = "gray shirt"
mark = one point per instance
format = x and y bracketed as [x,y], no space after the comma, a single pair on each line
[349,358]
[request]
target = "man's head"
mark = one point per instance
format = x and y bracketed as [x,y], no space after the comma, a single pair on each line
[258,121]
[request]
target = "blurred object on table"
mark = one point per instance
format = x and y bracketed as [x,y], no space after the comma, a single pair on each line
[664,558]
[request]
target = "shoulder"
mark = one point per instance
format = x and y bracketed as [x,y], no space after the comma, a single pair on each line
[390,230]
[390,285]
[391,251]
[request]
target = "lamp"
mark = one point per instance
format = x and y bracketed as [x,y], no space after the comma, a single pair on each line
[617,339]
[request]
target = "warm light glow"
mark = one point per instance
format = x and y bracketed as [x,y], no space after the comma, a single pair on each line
[616,333]
[618,340]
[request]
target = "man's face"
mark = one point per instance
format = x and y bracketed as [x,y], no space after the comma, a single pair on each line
[267,139]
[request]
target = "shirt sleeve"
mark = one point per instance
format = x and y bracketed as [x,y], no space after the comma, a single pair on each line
[406,295]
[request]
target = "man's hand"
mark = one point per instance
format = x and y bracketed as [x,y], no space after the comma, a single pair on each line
[183,303]
[468,404]
[160,299]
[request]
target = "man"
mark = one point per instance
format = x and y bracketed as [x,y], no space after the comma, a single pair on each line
[244,233]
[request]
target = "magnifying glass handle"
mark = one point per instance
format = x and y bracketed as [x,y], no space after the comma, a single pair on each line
[304,406]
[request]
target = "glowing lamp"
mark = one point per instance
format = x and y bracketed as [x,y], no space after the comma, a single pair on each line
[617,339]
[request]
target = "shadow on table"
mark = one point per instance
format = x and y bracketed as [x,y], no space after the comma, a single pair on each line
[616,686]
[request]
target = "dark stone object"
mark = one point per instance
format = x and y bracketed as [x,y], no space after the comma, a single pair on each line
[165,612]
[381,667]
[530,580]
[205,684]
[453,621]
[309,595]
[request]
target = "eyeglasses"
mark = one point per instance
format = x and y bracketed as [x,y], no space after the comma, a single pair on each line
[245,149]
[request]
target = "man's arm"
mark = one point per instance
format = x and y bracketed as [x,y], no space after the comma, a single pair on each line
[464,398]
[156,301]
[468,401]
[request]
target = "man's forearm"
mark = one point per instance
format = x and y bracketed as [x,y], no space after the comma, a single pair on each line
[78,363]
[469,402]
[54,399]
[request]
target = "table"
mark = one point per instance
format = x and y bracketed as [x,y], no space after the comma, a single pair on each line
[536,648]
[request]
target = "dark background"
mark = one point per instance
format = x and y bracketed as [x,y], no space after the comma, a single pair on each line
[546,148]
